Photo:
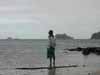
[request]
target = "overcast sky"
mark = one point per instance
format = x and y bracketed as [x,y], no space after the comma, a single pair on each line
[33,18]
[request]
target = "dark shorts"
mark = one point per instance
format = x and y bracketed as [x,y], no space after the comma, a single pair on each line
[51,52]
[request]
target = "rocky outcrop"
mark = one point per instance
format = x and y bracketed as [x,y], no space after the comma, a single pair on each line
[86,51]
[63,36]
[95,35]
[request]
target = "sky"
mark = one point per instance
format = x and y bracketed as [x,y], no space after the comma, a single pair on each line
[32,19]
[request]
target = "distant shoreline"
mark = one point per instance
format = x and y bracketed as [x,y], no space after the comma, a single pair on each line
[47,39]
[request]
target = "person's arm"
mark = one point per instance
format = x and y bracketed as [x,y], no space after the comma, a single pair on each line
[55,42]
[49,41]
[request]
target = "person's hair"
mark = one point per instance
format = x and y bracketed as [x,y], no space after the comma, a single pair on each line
[50,33]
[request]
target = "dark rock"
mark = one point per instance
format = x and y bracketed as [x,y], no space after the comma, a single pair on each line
[95,35]
[92,49]
[63,36]
[79,49]
[97,51]
[86,51]
[72,50]
[76,49]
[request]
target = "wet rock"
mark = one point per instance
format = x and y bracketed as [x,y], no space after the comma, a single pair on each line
[87,51]
[76,49]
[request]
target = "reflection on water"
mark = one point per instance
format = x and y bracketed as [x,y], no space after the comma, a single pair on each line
[52,71]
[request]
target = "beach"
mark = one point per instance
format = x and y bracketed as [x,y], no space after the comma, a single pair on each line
[32,53]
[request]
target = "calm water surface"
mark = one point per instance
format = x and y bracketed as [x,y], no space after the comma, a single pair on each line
[32,53]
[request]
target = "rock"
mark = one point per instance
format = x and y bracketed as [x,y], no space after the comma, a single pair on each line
[79,49]
[87,51]
[76,49]
[97,51]
[63,36]
[95,35]
[72,50]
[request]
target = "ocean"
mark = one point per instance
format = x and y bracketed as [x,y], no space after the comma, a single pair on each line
[32,53]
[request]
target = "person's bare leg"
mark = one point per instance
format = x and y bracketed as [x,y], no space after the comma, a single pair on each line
[50,62]
[54,61]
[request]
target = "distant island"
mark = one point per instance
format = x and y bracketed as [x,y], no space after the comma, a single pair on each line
[63,36]
[9,38]
[95,35]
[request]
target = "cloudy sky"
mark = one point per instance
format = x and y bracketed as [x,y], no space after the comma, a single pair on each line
[33,18]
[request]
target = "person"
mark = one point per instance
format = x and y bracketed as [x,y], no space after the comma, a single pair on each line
[51,48]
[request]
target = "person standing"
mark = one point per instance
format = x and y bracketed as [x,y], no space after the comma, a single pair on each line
[51,48]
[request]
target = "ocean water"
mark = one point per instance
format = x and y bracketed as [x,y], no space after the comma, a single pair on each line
[32,53]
